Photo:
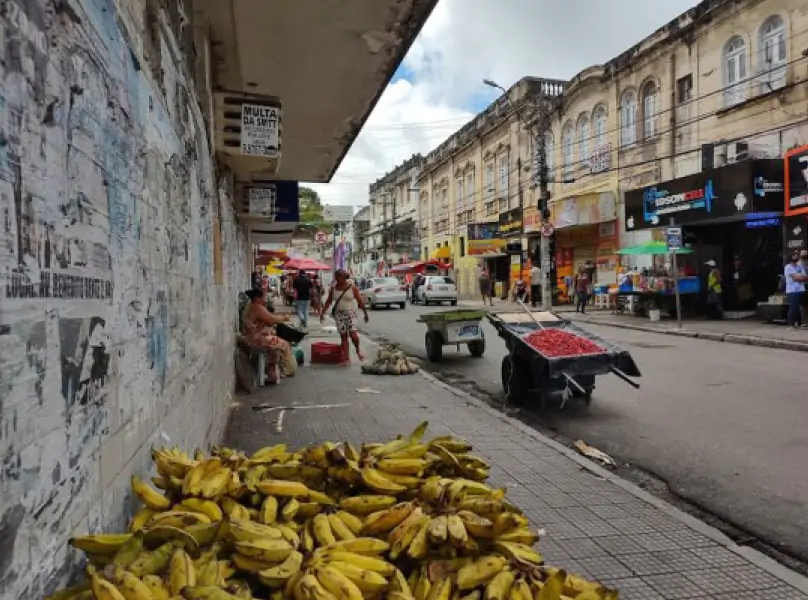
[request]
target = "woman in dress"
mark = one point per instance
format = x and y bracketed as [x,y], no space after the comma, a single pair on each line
[258,328]
[346,299]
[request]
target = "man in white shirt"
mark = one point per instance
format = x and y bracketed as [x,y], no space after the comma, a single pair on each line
[795,277]
[535,285]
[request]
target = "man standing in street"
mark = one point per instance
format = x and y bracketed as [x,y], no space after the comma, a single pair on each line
[302,287]
[795,289]
[535,285]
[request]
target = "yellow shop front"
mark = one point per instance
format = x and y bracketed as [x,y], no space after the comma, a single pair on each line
[586,234]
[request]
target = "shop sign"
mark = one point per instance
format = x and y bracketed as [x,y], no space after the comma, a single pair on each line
[796,181]
[276,200]
[531,220]
[483,231]
[590,209]
[737,190]
[510,222]
[674,238]
[481,247]
[260,130]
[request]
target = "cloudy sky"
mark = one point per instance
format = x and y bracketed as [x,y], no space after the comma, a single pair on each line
[439,86]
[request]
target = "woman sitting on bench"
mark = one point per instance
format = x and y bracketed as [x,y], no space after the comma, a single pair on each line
[258,329]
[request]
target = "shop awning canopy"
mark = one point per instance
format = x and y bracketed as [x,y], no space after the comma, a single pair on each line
[305,264]
[442,252]
[651,248]
[419,267]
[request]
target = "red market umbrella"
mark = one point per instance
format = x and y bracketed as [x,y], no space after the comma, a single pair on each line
[305,264]
[406,268]
[442,266]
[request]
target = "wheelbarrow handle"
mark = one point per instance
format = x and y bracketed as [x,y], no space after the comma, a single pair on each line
[625,378]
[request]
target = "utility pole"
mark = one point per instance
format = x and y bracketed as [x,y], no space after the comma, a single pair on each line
[544,210]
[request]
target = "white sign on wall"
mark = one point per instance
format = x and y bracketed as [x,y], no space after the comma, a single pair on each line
[260,130]
[262,201]
[337,213]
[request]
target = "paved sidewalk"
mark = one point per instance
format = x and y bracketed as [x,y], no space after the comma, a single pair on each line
[596,524]
[747,332]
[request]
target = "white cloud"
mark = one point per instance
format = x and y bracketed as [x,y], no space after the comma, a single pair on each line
[465,41]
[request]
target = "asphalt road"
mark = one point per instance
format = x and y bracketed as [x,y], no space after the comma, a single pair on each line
[726,426]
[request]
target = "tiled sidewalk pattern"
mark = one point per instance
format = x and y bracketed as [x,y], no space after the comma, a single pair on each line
[593,527]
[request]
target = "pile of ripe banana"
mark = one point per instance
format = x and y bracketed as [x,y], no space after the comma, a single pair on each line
[404,520]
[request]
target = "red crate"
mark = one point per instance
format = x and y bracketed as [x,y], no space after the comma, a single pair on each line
[326,353]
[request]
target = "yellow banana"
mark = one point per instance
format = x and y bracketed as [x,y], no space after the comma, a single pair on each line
[353,522]
[269,510]
[367,563]
[310,588]
[422,586]
[307,541]
[127,554]
[154,562]
[337,583]
[408,481]
[457,530]
[500,586]
[212,574]
[446,457]
[322,531]
[131,586]
[472,595]
[520,536]
[403,466]
[242,530]
[205,533]
[476,525]
[269,453]
[191,484]
[397,595]
[339,528]
[306,510]
[277,576]
[415,533]
[553,587]
[283,489]
[290,535]
[102,543]
[270,550]
[159,590]
[74,591]
[506,521]
[206,507]
[363,545]
[290,509]
[162,534]
[520,590]
[177,518]
[572,584]
[481,505]
[376,481]
[105,590]
[412,451]
[140,519]
[434,489]
[519,553]
[367,581]
[251,565]
[235,487]
[181,573]
[399,583]
[150,497]
[441,590]
[215,484]
[480,572]
[401,529]
[438,530]
[384,521]
[364,505]
[419,545]
[452,444]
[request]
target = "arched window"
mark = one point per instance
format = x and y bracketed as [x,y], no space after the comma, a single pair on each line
[649,111]
[628,119]
[734,72]
[599,121]
[549,154]
[583,139]
[568,143]
[772,54]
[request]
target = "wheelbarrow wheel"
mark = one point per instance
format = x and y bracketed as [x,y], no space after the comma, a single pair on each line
[477,348]
[515,382]
[434,346]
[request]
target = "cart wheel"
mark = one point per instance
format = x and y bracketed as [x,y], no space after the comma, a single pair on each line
[477,348]
[434,346]
[514,380]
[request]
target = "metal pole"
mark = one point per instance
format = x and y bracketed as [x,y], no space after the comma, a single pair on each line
[544,197]
[675,268]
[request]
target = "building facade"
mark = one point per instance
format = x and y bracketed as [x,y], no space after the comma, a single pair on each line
[394,225]
[721,84]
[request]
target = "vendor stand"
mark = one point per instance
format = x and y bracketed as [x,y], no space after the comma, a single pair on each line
[654,289]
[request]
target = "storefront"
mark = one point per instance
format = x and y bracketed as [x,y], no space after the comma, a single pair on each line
[531,224]
[487,246]
[511,228]
[796,199]
[585,235]
[733,215]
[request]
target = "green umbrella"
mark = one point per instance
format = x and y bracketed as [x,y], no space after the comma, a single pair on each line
[651,248]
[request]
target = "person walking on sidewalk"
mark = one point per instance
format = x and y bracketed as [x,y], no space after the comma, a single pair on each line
[714,304]
[795,277]
[485,286]
[535,285]
[582,290]
[302,287]
[346,299]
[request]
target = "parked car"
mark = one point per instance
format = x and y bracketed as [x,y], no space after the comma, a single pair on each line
[438,289]
[384,291]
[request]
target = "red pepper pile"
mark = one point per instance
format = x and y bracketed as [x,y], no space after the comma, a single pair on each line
[557,342]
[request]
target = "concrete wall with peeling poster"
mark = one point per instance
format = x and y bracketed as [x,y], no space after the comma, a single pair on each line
[113,329]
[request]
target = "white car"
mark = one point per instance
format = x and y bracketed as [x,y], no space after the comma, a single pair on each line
[384,291]
[438,289]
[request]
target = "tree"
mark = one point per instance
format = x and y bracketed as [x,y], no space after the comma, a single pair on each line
[311,210]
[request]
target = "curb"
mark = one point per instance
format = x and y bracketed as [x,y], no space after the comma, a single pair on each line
[713,336]
[755,557]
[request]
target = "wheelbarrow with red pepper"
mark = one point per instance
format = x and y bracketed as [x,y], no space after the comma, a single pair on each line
[549,355]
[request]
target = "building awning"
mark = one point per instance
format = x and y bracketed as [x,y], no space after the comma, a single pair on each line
[442,252]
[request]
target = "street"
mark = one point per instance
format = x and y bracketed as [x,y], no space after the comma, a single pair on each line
[724,425]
